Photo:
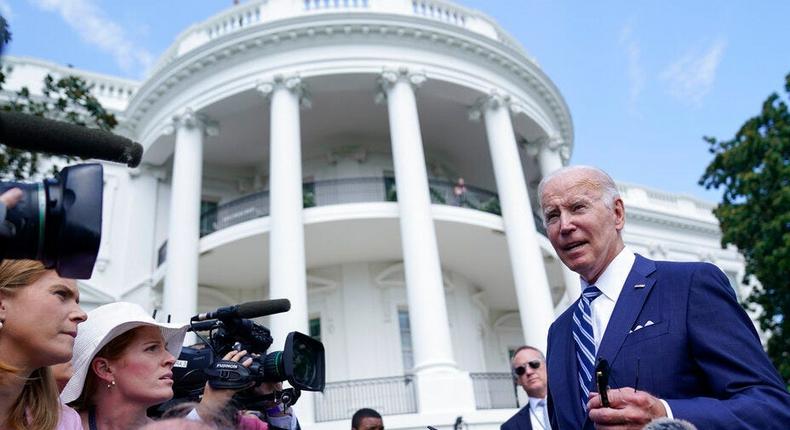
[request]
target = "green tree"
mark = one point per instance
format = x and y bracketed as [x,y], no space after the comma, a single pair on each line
[754,170]
[65,99]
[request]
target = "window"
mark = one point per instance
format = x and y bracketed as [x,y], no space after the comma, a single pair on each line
[407,352]
[315,328]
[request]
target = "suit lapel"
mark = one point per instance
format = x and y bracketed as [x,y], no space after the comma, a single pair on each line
[526,422]
[627,308]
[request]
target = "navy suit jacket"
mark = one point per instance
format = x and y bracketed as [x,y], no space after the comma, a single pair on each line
[519,421]
[701,354]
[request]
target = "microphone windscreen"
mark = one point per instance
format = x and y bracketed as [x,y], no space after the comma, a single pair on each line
[669,424]
[262,308]
[34,133]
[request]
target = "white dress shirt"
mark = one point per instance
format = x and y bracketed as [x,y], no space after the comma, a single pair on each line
[611,283]
[539,414]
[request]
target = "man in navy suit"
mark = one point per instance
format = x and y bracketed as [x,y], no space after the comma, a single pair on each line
[529,369]
[677,342]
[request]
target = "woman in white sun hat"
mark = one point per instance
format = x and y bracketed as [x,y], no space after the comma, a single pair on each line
[123,362]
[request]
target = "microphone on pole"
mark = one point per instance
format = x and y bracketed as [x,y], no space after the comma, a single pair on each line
[34,133]
[259,308]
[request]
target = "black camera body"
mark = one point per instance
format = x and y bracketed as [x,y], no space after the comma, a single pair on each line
[301,362]
[58,221]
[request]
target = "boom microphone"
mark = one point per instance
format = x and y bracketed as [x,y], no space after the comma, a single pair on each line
[34,133]
[254,309]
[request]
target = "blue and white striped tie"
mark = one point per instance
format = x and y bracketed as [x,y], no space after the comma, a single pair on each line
[585,345]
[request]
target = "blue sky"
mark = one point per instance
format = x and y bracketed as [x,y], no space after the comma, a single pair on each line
[645,80]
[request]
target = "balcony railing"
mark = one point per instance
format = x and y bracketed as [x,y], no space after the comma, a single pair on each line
[494,390]
[343,191]
[389,396]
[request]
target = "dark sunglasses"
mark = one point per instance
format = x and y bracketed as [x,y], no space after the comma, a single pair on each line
[520,370]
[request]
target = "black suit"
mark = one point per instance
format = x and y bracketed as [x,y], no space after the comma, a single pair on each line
[519,421]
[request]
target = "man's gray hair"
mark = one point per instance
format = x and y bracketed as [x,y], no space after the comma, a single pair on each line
[609,192]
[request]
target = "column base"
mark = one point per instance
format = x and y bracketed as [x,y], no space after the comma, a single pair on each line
[445,391]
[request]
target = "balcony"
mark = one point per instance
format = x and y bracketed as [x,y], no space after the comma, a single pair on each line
[494,390]
[344,191]
[389,396]
[396,395]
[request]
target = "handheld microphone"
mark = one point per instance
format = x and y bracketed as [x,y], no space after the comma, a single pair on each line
[39,134]
[669,424]
[254,309]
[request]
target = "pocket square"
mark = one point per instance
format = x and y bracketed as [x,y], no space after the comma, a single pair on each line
[641,326]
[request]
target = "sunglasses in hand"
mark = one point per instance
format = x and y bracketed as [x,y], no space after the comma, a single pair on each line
[520,370]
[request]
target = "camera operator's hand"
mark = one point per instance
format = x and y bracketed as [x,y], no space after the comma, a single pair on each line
[214,400]
[11,197]
[271,407]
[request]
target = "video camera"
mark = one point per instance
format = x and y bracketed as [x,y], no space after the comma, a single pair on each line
[301,362]
[58,220]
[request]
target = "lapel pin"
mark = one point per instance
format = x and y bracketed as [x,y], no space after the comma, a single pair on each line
[639,286]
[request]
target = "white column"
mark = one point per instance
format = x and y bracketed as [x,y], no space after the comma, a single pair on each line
[181,280]
[533,293]
[287,267]
[287,270]
[552,154]
[441,386]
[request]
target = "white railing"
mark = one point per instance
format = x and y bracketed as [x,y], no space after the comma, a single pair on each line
[238,18]
[259,12]
[440,11]
[655,198]
[314,5]
[113,93]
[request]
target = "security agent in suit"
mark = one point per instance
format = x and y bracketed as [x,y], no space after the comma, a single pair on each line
[529,369]
[677,341]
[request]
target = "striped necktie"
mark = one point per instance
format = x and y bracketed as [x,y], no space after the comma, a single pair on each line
[585,344]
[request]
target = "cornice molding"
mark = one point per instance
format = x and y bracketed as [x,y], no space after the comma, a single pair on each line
[326,27]
[675,221]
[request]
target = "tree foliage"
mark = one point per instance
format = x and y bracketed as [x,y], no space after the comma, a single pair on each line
[754,170]
[66,99]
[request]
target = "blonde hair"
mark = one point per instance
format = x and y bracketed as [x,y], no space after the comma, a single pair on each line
[37,406]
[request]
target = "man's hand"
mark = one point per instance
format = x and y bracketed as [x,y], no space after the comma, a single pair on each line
[214,400]
[628,409]
[11,197]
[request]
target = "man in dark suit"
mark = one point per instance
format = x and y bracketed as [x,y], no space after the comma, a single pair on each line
[529,369]
[677,341]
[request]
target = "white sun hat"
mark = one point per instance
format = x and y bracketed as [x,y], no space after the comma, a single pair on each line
[104,324]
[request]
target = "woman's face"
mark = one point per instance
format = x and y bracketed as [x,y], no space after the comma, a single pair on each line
[40,322]
[143,373]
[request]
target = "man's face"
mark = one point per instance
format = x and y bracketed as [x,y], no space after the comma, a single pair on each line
[370,423]
[583,231]
[533,381]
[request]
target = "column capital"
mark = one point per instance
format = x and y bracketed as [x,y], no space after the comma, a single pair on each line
[389,77]
[292,83]
[492,101]
[189,119]
[555,143]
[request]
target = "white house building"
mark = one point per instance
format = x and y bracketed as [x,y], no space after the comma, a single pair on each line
[314,150]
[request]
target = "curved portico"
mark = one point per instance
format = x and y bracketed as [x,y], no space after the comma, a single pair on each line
[384,93]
